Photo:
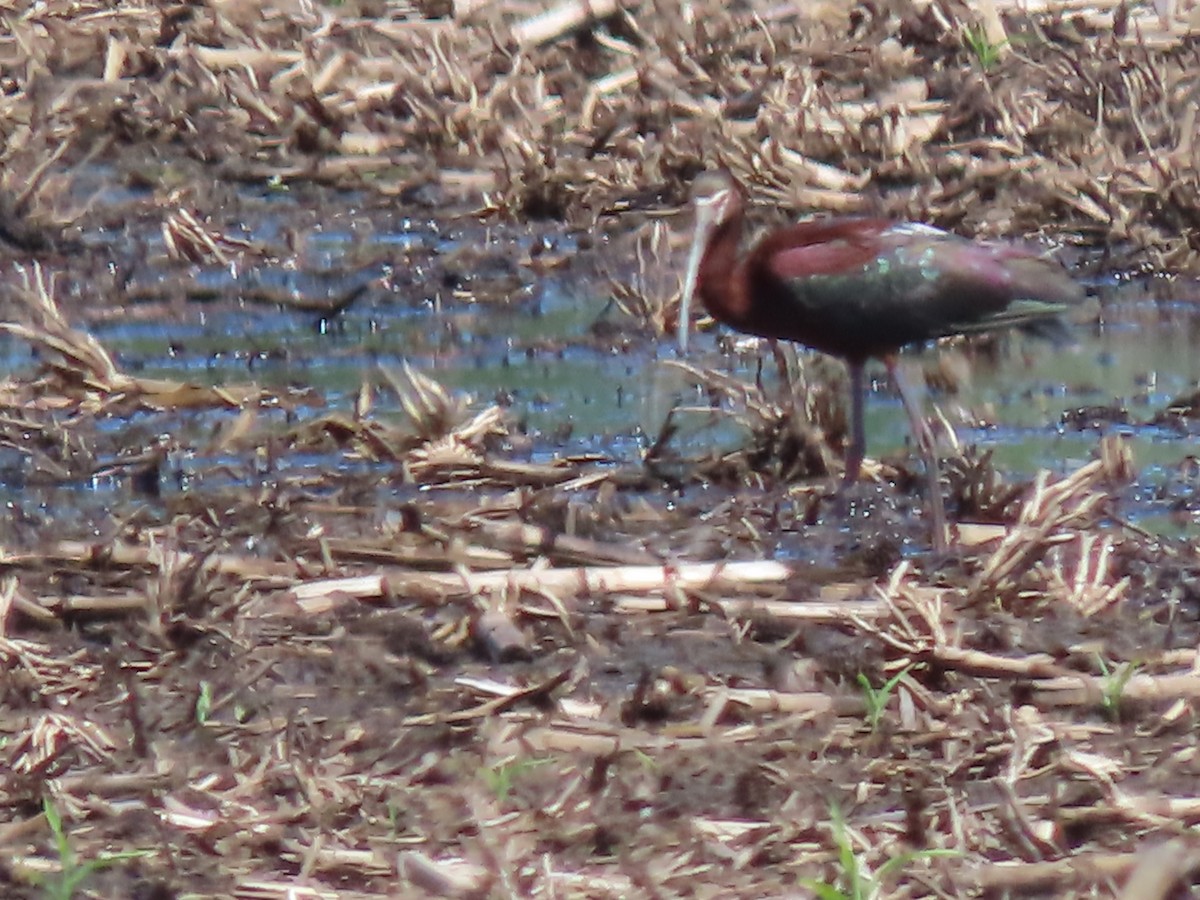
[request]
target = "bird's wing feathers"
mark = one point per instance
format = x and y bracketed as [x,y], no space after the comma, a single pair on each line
[888,284]
[821,247]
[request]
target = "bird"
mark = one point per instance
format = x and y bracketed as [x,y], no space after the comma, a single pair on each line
[859,288]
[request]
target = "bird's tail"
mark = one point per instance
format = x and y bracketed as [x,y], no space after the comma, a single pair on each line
[1048,299]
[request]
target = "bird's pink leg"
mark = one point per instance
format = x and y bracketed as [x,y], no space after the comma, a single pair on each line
[928,446]
[856,450]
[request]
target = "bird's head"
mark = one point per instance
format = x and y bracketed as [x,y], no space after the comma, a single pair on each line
[715,198]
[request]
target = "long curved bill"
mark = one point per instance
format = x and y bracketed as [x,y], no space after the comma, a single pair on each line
[706,216]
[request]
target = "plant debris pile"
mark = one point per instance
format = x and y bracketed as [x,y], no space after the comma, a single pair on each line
[1079,119]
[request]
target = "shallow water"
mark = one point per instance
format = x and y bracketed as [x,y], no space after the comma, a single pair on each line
[494,329]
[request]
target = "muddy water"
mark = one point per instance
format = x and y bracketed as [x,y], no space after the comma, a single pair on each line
[536,349]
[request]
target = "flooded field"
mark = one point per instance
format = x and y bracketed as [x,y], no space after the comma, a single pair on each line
[475,561]
[459,302]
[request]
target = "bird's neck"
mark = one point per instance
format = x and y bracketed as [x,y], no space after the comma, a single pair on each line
[721,288]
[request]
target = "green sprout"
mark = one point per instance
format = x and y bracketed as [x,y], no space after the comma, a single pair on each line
[1113,684]
[74,873]
[986,53]
[393,816]
[204,703]
[856,881]
[876,699]
[500,779]
[647,761]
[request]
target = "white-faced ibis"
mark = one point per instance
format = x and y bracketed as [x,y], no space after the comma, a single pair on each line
[858,288]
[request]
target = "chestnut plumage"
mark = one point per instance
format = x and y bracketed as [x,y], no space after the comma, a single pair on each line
[858,288]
